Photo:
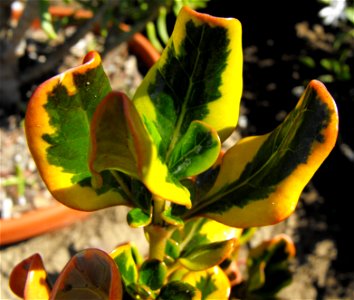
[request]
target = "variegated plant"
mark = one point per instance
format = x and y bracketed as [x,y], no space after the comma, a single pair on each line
[160,153]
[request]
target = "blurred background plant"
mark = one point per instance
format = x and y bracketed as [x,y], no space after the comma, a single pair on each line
[337,49]
[159,31]
[65,23]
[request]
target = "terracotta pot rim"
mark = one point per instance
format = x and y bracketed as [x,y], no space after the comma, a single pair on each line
[38,221]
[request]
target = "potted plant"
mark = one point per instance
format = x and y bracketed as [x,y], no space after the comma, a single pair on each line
[161,154]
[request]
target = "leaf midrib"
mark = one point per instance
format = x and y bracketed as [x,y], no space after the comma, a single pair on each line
[176,132]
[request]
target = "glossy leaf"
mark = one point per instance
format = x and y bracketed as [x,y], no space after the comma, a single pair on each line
[178,290]
[193,153]
[217,232]
[192,81]
[152,273]
[261,177]
[138,218]
[168,217]
[207,256]
[90,274]
[202,243]
[178,274]
[213,283]
[127,259]
[57,128]
[119,140]
[203,231]
[28,280]
[172,249]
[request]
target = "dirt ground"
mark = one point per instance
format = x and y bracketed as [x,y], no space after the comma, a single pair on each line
[322,225]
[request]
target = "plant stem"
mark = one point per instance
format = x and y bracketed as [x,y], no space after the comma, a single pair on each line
[158,232]
[159,207]
[158,237]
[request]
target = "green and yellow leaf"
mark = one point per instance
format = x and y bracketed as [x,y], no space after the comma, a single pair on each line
[90,274]
[152,273]
[119,140]
[203,231]
[58,133]
[261,178]
[206,256]
[127,258]
[138,218]
[193,153]
[186,96]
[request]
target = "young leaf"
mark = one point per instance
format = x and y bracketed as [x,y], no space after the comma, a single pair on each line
[90,274]
[57,127]
[172,249]
[152,273]
[193,153]
[111,139]
[261,178]
[207,256]
[28,280]
[213,283]
[202,231]
[119,140]
[217,232]
[168,217]
[138,218]
[194,80]
[125,256]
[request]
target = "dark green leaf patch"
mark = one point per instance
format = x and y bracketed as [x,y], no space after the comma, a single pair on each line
[109,184]
[138,218]
[183,97]
[152,273]
[195,152]
[70,116]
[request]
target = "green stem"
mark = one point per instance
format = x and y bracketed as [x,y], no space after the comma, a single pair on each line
[159,207]
[158,237]
[158,232]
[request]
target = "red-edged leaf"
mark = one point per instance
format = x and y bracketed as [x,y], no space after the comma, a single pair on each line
[119,139]
[90,274]
[28,279]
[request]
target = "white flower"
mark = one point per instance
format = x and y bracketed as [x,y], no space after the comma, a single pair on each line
[333,13]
